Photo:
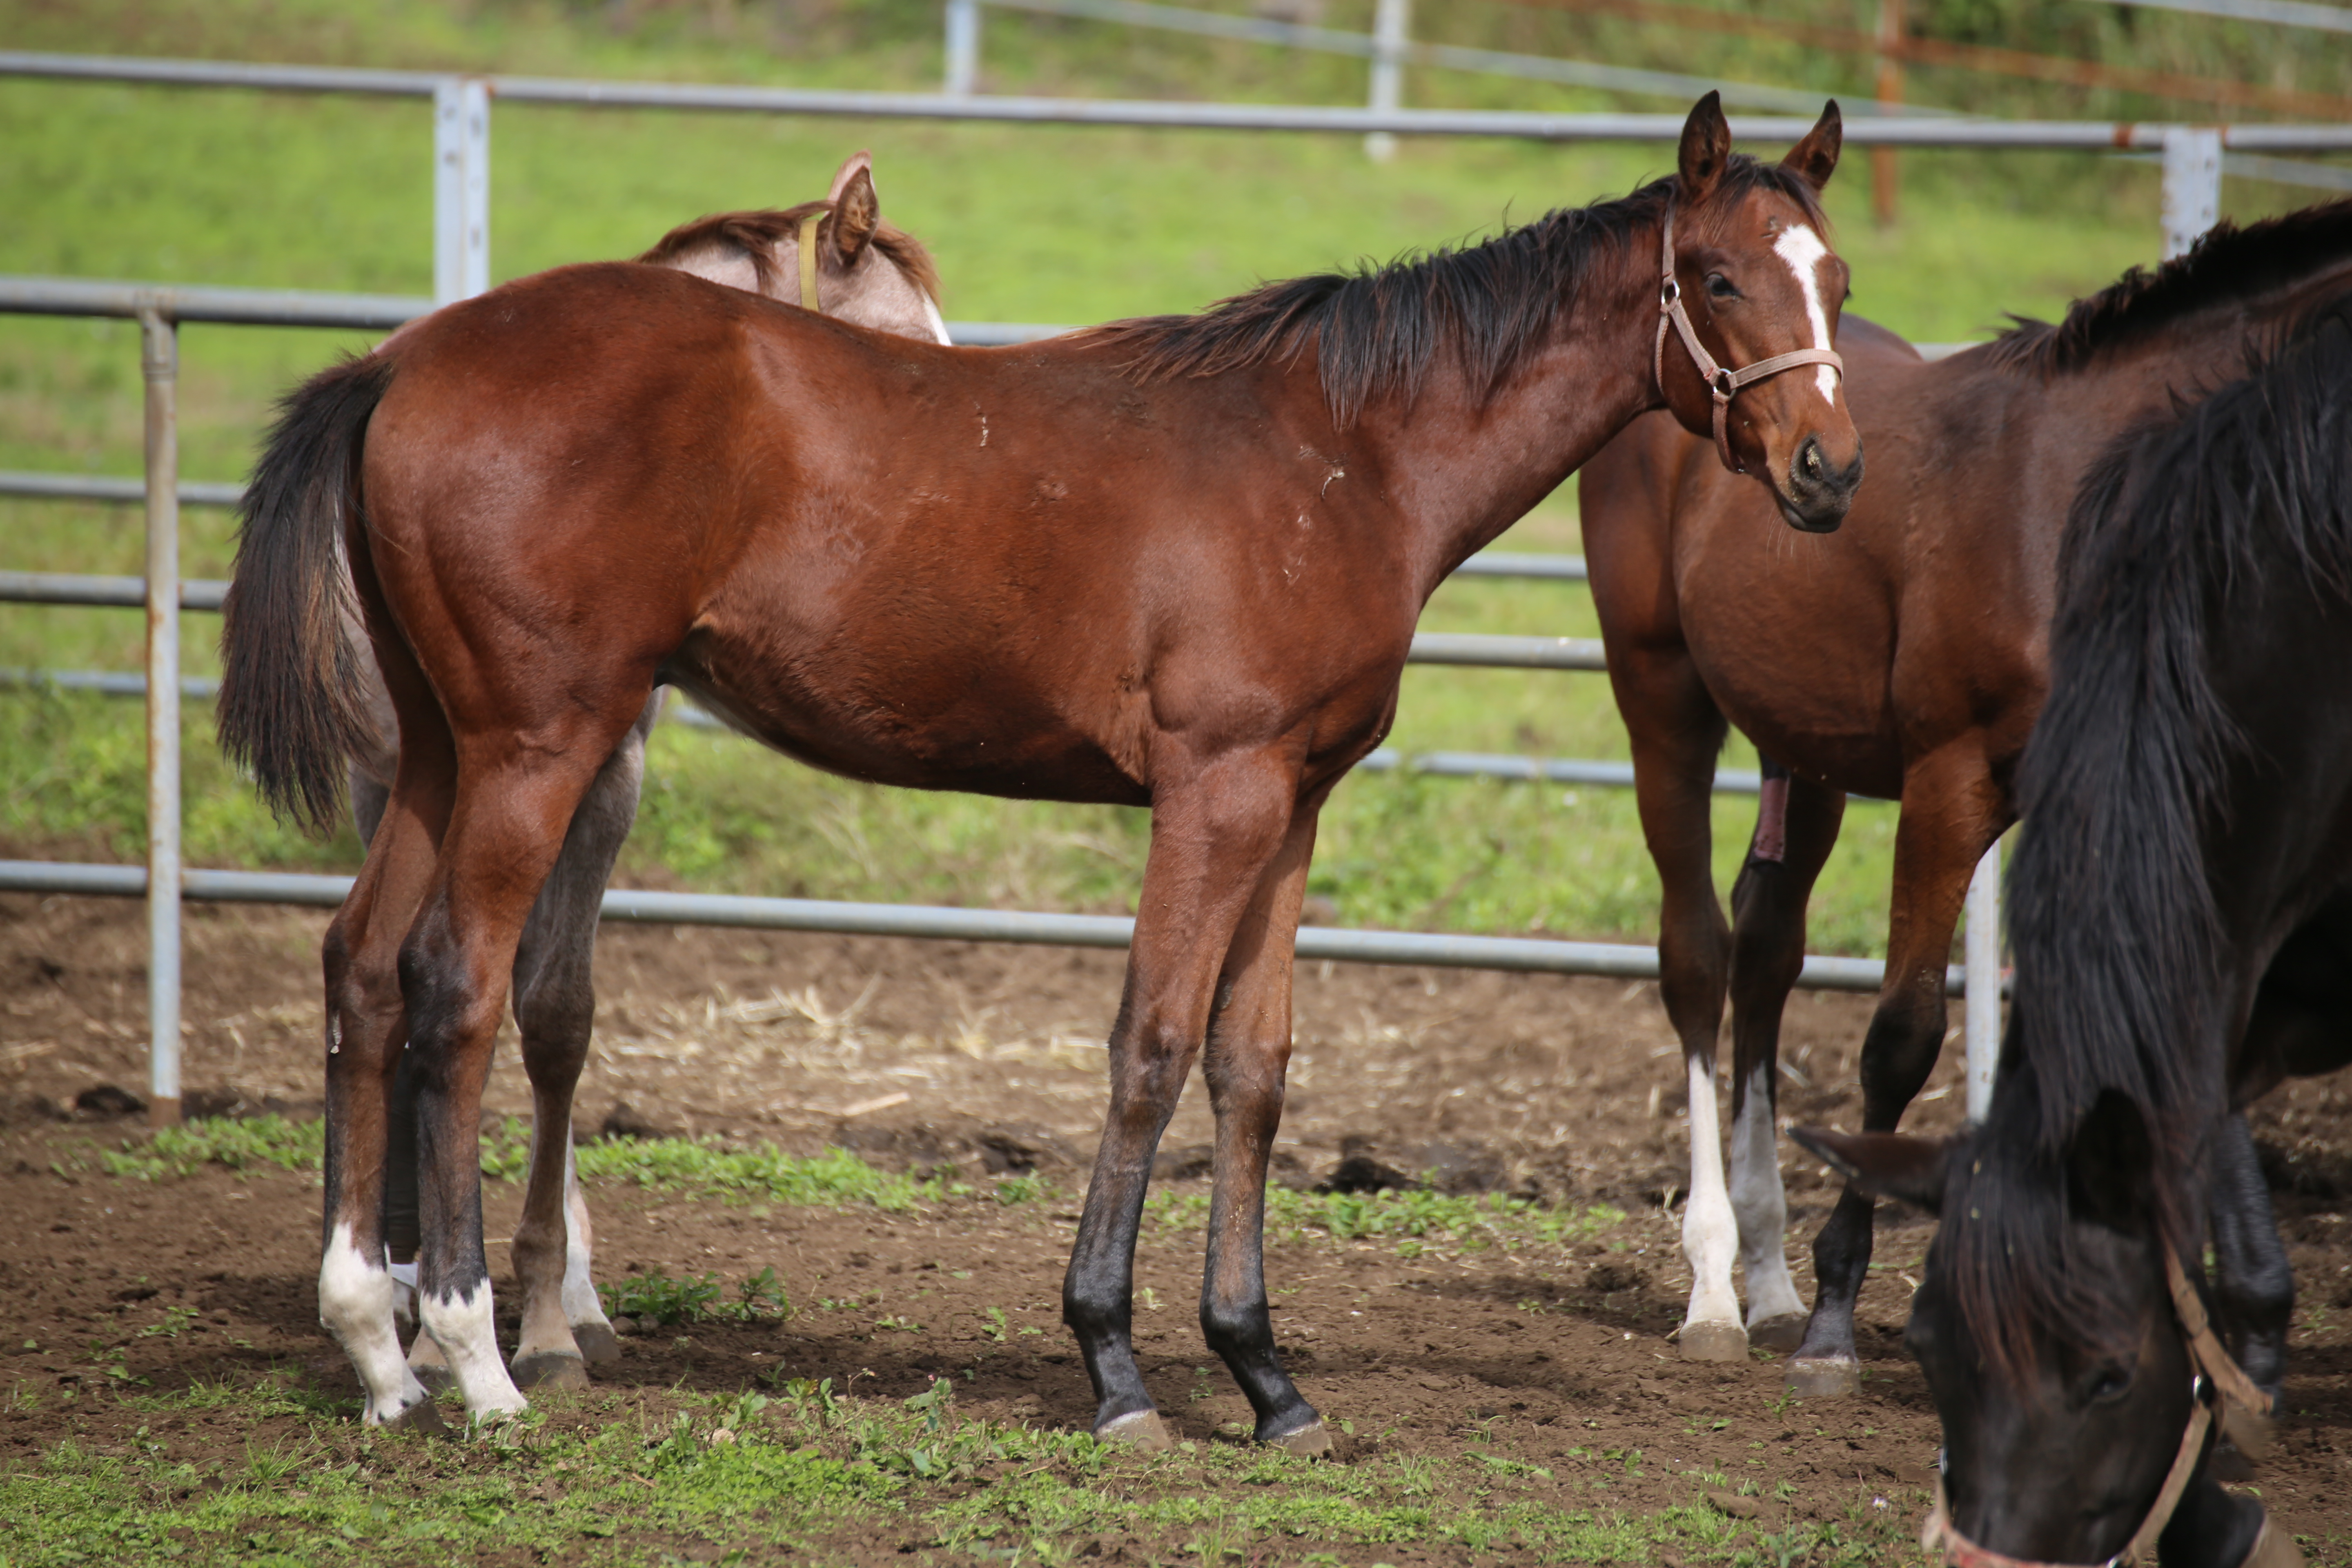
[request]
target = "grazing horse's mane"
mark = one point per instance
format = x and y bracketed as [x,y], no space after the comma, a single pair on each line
[2228,265]
[1376,329]
[2119,934]
[756,234]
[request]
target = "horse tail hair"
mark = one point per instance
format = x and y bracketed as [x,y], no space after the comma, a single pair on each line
[292,706]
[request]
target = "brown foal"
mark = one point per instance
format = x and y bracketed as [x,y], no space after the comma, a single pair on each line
[1906,656]
[1173,562]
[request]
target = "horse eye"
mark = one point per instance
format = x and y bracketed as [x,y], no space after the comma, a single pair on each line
[2111,1385]
[1718,287]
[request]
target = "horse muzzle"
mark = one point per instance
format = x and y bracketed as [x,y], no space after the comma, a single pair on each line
[1817,493]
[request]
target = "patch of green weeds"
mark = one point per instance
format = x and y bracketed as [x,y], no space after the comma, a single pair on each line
[660,1296]
[251,1143]
[1412,1219]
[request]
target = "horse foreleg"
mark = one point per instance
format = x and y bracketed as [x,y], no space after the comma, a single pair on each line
[1676,733]
[1212,837]
[563,1325]
[514,807]
[1248,1053]
[1951,811]
[2253,1281]
[1794,835]
[367,1141]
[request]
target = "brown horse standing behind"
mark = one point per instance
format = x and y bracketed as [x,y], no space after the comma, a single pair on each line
[1904,656]
[1175,562]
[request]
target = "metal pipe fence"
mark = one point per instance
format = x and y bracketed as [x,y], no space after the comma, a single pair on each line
[462,114]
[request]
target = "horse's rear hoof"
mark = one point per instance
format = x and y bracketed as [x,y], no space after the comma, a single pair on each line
[1840,1378]
[1781,1335]
[1312,1441]
[435,1375]
[599,1345]
[422,1417]
[549,1369]
[1140,1429]
[2273,1548]
[1713,1342]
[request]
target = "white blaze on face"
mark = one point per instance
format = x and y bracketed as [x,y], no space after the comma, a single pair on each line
[1802,249]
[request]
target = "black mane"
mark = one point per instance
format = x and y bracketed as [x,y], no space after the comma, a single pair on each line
[2120,946]
[1376,330]
[2228,265]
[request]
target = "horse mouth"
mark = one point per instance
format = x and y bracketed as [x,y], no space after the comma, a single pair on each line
[1797,520]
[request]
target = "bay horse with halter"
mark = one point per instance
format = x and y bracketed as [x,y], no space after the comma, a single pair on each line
[1173,562]
[2181,913]
[837,258]
[1904,656]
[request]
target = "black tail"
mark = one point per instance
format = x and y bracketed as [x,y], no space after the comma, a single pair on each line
[291,676]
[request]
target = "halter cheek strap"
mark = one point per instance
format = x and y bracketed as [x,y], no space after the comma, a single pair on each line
[1723,384]
[808,262]
[2218,1380]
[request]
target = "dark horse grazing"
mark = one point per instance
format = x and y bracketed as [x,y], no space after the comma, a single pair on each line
[1173,562]
[1903,656]
[2182,912]
[836,257]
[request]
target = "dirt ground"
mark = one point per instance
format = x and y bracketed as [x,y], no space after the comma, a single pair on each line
[991,1058]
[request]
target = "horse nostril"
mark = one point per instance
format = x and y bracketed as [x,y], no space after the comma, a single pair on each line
[1814,458]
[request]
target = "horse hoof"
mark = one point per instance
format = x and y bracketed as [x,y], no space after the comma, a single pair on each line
[1826,1378]
[599,1345]
[1783,1334]
[1312,1441]
[1139,1429]
[422,1417]
[1713,1342]
[435,1375]
[549,1369]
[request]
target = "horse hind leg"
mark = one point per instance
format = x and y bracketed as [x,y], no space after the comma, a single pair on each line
[1784,859]
[563,1325]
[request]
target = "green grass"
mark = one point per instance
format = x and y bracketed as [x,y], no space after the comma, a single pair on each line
[1471,1223]
[1029,224]
[660,1477]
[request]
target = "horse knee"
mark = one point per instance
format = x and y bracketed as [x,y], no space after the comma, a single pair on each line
[447,1004]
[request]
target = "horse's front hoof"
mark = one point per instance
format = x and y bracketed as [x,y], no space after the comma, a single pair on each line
[1312,1441]
[1781,1335]
[422,1417]
[549,1369]
[1139,1429]
[599,1345]
[1713,1342]
[1827,1377]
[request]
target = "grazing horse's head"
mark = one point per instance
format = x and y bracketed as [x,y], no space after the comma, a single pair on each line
[1752,280]
[2065,1373]
[868,273]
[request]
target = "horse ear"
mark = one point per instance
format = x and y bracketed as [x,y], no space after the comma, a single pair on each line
[2111,1165]
[1707,147]
[1814,159]
[1884,1164]
[861,159]
[857,210]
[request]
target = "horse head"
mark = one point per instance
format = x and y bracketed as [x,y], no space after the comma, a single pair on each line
[2068,1353]
[1748,312]
[835,256]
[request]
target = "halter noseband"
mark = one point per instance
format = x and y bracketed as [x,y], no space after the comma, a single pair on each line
[2218,1380]
[1722,382]
[808,263]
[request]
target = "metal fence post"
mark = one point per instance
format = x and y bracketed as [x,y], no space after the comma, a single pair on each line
[461,188]
[1981,955]
[1392,26]
[160,360]
[2192,184]
[964,48]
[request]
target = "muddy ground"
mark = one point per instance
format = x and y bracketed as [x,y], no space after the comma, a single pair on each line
[991,1058]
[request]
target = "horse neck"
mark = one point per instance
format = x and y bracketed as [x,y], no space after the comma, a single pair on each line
[1459,466]
[2211,346]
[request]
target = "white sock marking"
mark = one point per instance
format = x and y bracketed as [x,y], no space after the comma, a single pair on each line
[355,1299]
[1802,249]
[580,1302]
[462,1327]
[1709,1231]
[1763,1209]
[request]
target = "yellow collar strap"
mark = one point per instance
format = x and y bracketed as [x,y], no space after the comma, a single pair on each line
[808,261]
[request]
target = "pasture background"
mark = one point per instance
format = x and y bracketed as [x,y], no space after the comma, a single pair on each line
[1028,224]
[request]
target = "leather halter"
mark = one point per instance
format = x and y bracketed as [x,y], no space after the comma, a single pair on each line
[1722,382]
[808,262]
[2218,1380]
